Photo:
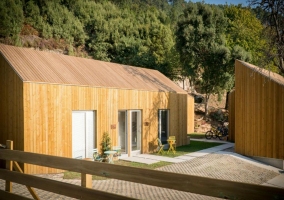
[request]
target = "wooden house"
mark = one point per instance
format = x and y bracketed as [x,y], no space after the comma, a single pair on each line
[61,105]
[256,114]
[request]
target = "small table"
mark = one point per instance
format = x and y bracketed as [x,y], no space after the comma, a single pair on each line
[110,155]
[171,142]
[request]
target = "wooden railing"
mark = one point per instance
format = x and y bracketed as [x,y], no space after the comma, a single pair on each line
[181,182]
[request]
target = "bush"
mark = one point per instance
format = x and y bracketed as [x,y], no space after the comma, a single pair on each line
[11,15]
[106,143]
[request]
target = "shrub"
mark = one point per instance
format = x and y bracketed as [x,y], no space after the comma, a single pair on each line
[106,143]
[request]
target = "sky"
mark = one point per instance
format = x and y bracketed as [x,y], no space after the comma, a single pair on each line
[236,2]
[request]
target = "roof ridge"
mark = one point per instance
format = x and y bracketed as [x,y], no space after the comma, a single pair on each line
[49,67]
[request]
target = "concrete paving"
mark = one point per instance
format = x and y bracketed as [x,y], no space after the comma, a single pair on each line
[278,181]
[150,158]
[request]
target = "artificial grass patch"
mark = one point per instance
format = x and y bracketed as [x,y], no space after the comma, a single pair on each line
[192,147]
[197,135]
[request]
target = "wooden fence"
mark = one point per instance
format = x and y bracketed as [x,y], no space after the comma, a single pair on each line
[181,182]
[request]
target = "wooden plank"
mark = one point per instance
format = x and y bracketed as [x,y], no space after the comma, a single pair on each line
[58,187]
[31,190]
[86,179]
[268,117]
[232,116]
[8,195]
[239,108]
[258,131]
[181,182]
[9,166]
[274,134]
[280,116]
[246,110]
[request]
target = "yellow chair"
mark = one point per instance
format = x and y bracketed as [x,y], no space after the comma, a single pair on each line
[172,144]
[160,148]
[173,138]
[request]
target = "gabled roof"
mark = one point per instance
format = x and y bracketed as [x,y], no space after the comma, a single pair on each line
[46,67]
[271,75]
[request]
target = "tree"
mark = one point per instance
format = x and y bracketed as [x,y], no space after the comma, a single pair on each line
[117,33]
[11,15]
[274,14]
[245,30]
[244,38]
[201,43]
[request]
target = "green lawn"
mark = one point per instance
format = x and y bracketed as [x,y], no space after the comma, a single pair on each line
[192,147]
[197,135]
[75,175]
[142,165]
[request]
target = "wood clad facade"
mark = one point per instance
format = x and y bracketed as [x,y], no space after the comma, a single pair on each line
[232,116]
[11,105]
[38,116]
[259,112]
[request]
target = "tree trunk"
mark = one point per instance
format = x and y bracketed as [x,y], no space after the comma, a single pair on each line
[281,64]
[206,104]
[227,100]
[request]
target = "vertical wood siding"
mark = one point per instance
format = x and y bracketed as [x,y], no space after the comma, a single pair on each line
[259,114]
[190,114]
[232,116]
[11,106]
[48,115]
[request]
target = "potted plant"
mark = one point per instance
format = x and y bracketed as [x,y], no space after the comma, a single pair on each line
[105,144]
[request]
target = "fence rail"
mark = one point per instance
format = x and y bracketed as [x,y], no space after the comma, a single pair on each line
[181,182]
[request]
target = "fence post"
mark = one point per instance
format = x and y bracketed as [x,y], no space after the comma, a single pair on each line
[86,179]
[9,166]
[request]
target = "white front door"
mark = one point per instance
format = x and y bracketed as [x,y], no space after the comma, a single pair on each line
[82,134]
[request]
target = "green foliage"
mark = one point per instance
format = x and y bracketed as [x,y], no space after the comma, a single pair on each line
[245,30]
[106,143]
[11,15]
[142,33]
[130,32]
[272,15]
[201,43]
[54,20]
[61,23]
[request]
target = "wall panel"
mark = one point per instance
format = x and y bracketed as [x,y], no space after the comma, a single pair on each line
[48,115]
[11,106]
[258,113]
[232,116]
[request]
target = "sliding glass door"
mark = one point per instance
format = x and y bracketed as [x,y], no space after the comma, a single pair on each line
[122,131]
[163,132]
[135,130]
